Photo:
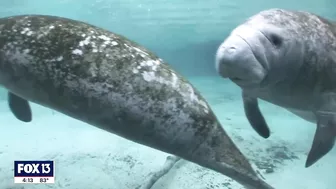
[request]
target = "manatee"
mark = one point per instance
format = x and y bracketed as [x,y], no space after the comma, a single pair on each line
[287,58]
[104,79]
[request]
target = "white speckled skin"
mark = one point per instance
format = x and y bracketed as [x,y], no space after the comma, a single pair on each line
[103,79]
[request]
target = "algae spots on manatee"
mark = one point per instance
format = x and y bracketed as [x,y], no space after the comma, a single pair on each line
[147,66]
[159,74]
[27,31]
[61,42]
[77,52]
[96,42]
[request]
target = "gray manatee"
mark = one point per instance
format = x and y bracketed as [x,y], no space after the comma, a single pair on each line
[287,58]
[112,83]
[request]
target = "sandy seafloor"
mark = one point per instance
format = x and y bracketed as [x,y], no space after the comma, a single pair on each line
[89,158]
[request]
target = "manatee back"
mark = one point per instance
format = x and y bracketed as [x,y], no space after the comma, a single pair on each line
[53,53]
[103,79]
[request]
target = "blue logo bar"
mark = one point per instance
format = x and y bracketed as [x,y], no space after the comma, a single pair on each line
[33,168]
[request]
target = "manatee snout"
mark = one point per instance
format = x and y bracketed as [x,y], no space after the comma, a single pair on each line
[232,56]
[238,58]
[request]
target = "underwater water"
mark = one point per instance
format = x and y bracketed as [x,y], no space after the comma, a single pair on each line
[185,34]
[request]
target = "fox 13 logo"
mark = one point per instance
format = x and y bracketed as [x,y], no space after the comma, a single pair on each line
[34,172]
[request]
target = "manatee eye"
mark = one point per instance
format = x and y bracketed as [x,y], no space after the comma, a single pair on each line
[275,39]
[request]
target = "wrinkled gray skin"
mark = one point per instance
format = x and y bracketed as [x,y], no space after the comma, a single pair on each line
[105,80]
[287,58]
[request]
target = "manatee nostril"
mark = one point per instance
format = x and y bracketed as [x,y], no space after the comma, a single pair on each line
[228,49]
[231,50]
[230,57]
[226,56]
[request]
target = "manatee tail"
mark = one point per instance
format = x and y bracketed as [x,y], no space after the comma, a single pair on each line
[19,107]
[324,139]
[249,181]
[219,153]
[248,178]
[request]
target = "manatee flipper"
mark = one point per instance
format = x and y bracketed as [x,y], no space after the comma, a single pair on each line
[324,138]
[19,107]
[254,115]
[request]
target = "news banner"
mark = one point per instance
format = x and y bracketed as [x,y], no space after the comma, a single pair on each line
[34,172]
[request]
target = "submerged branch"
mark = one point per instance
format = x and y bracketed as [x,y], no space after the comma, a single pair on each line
[169,164]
